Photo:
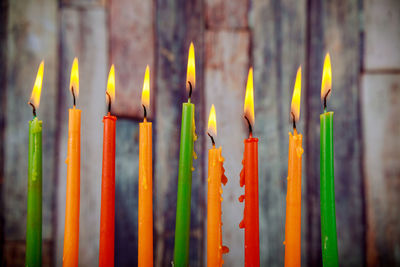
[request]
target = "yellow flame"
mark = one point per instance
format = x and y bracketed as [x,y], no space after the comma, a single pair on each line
[212,121]
[146,88]
[295,107]
[191,69]
[37,87]
[111,84]
[326,84]
[74,81]
[249,98]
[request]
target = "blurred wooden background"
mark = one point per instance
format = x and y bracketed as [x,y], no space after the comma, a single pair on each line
[363,37]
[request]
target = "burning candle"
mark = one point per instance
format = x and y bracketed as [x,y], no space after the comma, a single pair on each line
[216,176]
[249,179]
[107,213]
[145,216]
[293,197]
[186,154]
[71,232]
[327,183]
[33,256]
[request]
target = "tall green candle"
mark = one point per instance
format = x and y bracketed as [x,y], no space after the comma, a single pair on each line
[327,183]
[33,255]
[186,154]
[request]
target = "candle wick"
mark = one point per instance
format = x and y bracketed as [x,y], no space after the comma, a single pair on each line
[212,139]
[73,96]
[325,98]
[33,108]
[144,112]
[293,120]
[250,128]
[190,89]
[109,102]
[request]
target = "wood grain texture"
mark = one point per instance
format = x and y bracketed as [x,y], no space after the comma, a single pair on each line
[222,14]
[226,68]
[83,3]
[382,35]
[381,128]
[132,47]
[334,27]
[83,34]
[178,23]
[32,36]
[278,48]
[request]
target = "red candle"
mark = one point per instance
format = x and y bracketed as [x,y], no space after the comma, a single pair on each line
[249,179]
[107,214]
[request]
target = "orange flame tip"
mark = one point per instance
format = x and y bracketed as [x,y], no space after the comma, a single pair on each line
[191,69]
[37,87]
[74,81]
[146,88]
[212,122]
[111,84]
[249,98]
[295,107]
[326,84]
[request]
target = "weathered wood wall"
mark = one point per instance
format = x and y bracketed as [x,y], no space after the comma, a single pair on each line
[274,37]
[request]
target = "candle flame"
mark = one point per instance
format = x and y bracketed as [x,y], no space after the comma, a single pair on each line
[249,98]
[191,69]
[212,122]
[295,107]
[74,81]
[111,84]
[326,84]
[146,88]
[37,87]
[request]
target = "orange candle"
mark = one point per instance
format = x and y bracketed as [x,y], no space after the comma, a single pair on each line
[216,176]
[71,233]
[107,213]
[145,216]
[293,197]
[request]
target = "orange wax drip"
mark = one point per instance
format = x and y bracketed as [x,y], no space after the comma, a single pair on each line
[250,223]
[216,176]
[145,216]
[107,214]
[71,233]
[293,202]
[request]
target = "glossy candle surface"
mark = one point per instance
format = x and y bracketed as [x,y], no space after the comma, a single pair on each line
[250,223]
[71,233]
[327,184]
[293,202]
[145,216]
[186,154]
[216,176]
[107,213]
[33,255]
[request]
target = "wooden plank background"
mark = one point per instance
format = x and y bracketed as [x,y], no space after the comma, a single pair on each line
[274,37]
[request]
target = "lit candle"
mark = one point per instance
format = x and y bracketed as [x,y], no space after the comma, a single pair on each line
[249,179]
[145,216]
[71,232]
[107,213]
[33,256]
[293,197]
[216,176]
[327,183]
[186,154]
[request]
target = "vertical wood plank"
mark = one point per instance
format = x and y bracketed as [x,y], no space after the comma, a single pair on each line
[278,44]
[31,37]
[220,14]
[335,27]
[178,23]
[83,34]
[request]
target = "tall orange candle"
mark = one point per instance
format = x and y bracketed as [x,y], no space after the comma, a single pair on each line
[71,232]
[216,176]
[145,216]
[107,213]
[293,197]
[249,179]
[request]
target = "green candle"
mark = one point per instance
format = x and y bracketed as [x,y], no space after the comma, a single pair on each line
[186,154]
[33,255]
[327,183]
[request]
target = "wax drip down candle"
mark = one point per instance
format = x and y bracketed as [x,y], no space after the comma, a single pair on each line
[145,209]
[327,180]
[107,212]
[71,232]
[33,256]
[249,179]
[216,176]
[186,155]
[293,195]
